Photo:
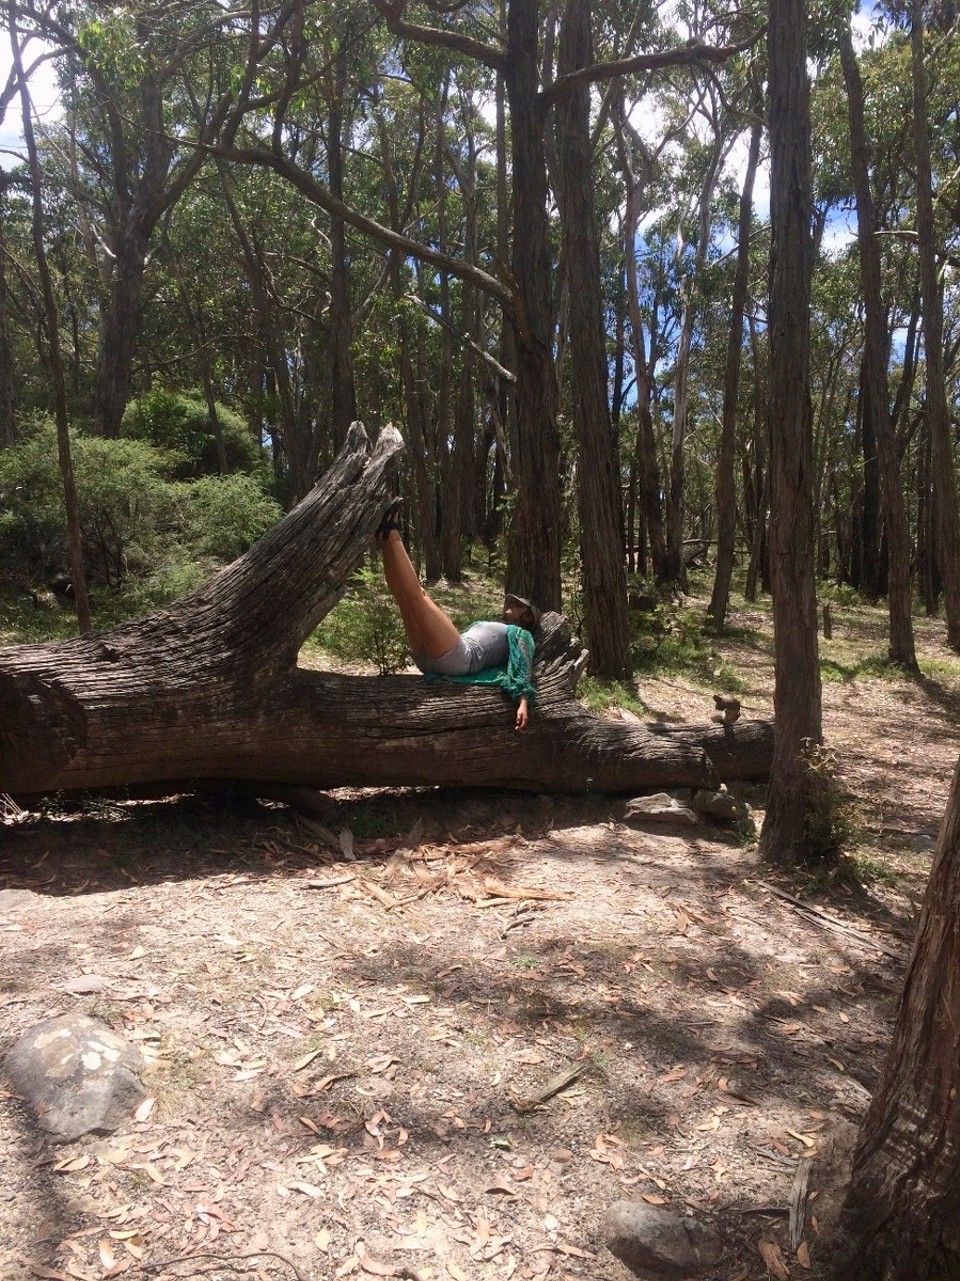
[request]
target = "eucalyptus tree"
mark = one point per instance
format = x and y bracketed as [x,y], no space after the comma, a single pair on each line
[797,673]
[54,354]
[636,161]
[938,411]
[709,110]
[874,390]
[726,490]
[598,479]
[138,81]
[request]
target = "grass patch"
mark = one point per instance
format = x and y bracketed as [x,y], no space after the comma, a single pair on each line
[599,696]
[870,666]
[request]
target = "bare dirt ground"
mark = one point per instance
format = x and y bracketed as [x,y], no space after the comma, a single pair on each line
[350,1022]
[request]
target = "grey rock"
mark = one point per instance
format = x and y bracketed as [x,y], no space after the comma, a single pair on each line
[724,806]
[658,1244]
[77,1075]
[659,808]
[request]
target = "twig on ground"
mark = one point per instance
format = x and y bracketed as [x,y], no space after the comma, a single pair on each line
[819,917]
[225,1260]
[553,1086]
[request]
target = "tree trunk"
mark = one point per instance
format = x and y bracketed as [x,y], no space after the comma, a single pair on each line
[55,359]
[903,1204]
[533,567]
[651,532]
[8,415]
[938,409]
[726,489]
[873,384]
[797,672]
[209,688]
[677,492]
[342,391]
[598,461]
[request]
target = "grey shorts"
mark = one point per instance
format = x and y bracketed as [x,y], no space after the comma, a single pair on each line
[455,662]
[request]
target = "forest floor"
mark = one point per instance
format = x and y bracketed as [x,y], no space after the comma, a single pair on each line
[349,1021]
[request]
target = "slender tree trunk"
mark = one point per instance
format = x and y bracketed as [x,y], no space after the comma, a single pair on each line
[797,672]
[651,532]
[533,567]
[938,410]
[726,489]
[71,503]
[598,465]
[676,569]
[903,1204]
[8,416]
[873,385]
[343,400]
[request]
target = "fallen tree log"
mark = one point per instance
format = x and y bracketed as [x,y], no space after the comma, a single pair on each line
[209,688]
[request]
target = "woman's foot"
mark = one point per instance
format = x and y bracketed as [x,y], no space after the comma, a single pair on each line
[390,521]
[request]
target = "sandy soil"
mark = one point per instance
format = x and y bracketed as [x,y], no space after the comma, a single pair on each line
[349,1022]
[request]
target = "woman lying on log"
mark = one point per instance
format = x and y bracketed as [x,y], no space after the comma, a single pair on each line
[487,653]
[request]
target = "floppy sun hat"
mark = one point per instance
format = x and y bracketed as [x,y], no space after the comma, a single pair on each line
[527,604]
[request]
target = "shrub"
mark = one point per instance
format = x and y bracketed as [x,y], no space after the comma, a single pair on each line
[180,422]
[831,817]
[365,627]
[124,497]
[223,515]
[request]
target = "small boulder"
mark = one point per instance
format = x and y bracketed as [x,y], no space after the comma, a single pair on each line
[77,1075]
[724,806]
[658,1244]
[659,808]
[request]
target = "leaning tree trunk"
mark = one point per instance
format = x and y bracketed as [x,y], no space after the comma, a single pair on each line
[210,688]
[903,1205]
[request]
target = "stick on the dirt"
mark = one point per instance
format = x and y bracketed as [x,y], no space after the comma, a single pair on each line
[819,917]
[553,1086]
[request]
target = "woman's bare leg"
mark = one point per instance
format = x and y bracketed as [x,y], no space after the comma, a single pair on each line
[429,630]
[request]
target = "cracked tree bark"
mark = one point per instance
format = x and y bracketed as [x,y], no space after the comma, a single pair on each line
[209,688]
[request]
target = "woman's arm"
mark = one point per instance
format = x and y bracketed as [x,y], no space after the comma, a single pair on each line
[523,714]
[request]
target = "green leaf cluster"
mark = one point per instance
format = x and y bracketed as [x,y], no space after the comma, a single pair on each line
[146,535]
[179,423]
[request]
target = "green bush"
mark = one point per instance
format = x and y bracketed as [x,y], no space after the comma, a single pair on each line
[146,538]
[180,422]
[365,627]
[125,502]
[832,821]
[224,515]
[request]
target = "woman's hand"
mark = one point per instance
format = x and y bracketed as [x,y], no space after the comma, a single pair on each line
[523,714]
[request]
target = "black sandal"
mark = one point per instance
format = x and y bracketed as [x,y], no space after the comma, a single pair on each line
[389,520]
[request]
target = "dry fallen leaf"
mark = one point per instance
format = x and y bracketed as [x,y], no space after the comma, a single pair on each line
[501,1185]
[373,1266]
[773,1258]
[306,1060]
[803,1255]
[70,1164]
[308,1189]
[145,1108]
